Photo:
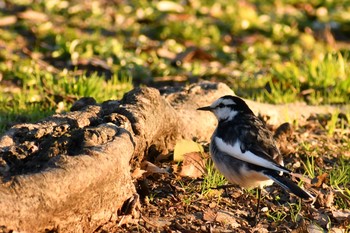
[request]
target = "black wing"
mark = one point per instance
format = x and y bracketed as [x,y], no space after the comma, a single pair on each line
[253,135]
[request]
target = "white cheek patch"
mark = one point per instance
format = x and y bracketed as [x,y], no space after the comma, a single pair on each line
[225,113]
[249,157]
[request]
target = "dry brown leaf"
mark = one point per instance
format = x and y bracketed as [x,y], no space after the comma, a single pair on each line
[213,204]
[176,78]
[227,218]
[209,215]
[214,193]
[313,228]
[150,168]
[193,165]
[259,228]
[8,20]
[319,180]
[301,177]
[34,16]
[93,62]
[341,215]
[183,147]
[329,199]
[166,53]
[192,53]
[336,230]
[179,17]
[326,198]
[137,173]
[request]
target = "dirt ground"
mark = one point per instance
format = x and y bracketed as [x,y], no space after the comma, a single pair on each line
[172,203]
[168,201]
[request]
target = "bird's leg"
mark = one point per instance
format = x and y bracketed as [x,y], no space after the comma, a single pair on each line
[256,217]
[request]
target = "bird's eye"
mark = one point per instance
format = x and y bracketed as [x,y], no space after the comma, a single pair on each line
[221,105]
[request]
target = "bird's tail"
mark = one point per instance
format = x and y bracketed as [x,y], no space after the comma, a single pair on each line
[288,185]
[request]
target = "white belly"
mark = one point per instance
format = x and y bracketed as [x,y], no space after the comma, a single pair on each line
[245,178]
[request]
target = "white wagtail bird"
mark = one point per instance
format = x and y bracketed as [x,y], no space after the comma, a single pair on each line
[244,150]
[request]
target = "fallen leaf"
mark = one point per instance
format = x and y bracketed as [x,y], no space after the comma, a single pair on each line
[137,173]
[301,177]
[183,147]
[341,215]
[166,53]
[325,198]
[150,168]
[190,54]
[213,204]
[193,165]
[259,228]
[34,16]
[319,180]
[227,218]
[209,215]
[166,6]
[336,230]
[7,20]
[179,17]
[176,78]
[329,199]
[93,62]
[214,193]
[313,228]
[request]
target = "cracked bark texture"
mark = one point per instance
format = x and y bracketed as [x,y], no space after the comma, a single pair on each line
[72,172]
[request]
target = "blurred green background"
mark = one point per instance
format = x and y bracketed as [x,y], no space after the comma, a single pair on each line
[53,52]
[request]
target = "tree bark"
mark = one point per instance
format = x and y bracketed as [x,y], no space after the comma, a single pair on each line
[72,172]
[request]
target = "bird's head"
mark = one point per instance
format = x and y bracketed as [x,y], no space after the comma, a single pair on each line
[227,107]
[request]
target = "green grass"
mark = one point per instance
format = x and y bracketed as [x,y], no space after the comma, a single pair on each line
[340,181]
[326,79]
[294,211]
[212,179]
[272,52]
[277,215]
[310,168]
[43,94]
[338,178]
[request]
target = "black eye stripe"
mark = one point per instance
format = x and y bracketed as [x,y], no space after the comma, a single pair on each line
[227,105]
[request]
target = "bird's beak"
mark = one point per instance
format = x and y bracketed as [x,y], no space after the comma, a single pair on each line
[207,108]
